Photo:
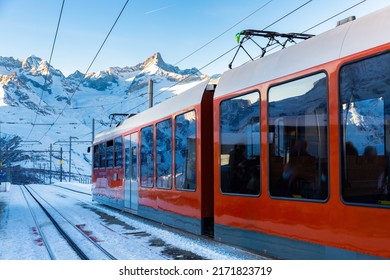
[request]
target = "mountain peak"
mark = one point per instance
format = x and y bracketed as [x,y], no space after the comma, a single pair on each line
[32,62]
[37,66]
[156,60]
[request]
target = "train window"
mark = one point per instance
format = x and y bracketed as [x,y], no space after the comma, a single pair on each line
[131,159]
[365,122]
[127,157]
[298,141]
[134,157]
[102,155]
[118,152]
[185,151]
[96,156]
[147,157]
[240,145]
[110,153]
[164,154]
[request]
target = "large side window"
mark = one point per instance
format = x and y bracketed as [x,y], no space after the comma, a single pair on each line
[365,122]
[164,154]
[185,151]
[127,157]
[131,156]
[134,157]
[240,144]
[298,141]
[118,152]
[147,157]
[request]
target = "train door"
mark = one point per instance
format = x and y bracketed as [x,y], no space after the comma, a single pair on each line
[131,174]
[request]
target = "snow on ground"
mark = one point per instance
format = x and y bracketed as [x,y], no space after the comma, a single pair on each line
[128,236]
[19,242]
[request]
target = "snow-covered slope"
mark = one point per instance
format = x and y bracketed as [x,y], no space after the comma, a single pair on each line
[43,107]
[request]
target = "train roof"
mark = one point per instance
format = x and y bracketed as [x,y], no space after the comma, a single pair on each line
[183,101]
[349,38]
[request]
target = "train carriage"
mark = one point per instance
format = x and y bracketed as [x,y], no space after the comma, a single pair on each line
[320,105]
[288,156]
[165,175]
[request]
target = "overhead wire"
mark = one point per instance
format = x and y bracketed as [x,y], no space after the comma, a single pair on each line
[211,62]
[49,63]
[219,57]
[322,22]
[288,14]
[89,67]
[228,51]
[192,53]
[209,42]
[212,40]
[273,23]
[318,24]
[224,32]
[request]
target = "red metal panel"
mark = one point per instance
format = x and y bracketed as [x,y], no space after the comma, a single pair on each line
[331,223]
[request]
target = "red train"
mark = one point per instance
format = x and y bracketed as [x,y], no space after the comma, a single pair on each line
[287,156]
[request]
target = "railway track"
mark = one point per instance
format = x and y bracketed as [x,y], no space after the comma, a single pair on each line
[132,237]
[112,216]
[61,238]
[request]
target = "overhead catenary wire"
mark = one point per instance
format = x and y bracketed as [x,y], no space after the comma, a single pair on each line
[326,20]
[224,32]
[209,42]
[214,60]
[273,23]
[49,63]
[228,51]
[212,40]
[89,67]
[219,57]
[320,23]
[203,46]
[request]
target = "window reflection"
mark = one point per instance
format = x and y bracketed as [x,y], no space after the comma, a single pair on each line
[298,146]
[185,151]
[240,145]
[118,152]
[364,117]
[134,157]
[131,156]
[127,157]
[110,153]
[102,154]
[147,157]
[164,154]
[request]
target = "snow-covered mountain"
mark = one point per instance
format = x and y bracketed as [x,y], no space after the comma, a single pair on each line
[42,106]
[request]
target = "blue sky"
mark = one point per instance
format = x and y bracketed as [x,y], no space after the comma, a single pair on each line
[175,28]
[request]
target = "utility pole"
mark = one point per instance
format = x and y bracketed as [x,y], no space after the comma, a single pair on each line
[70,156]
[150,93]
[93,130]
[60,164]
[51,151]
[70,153]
